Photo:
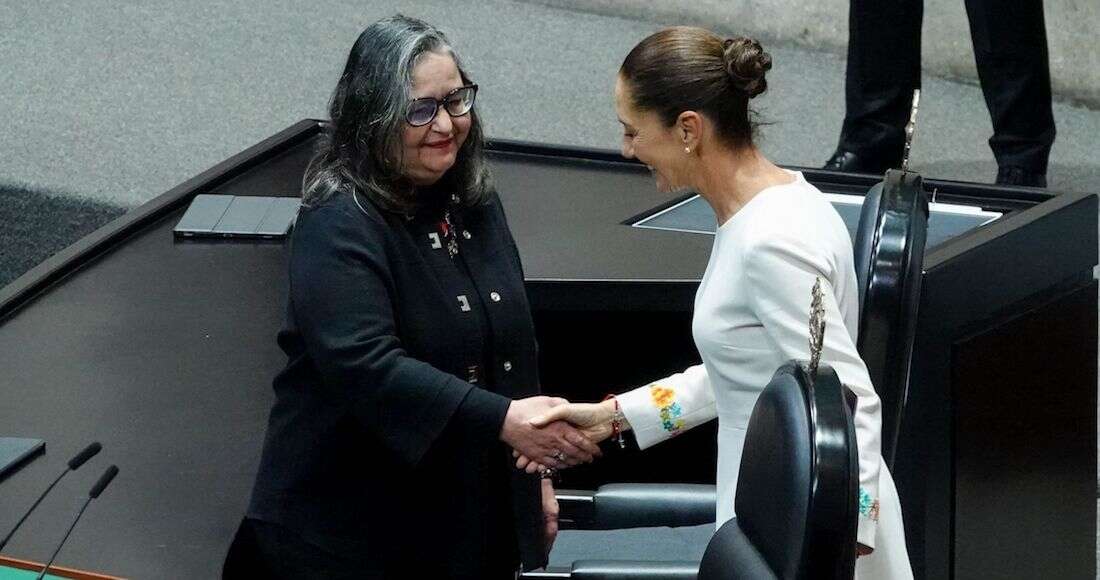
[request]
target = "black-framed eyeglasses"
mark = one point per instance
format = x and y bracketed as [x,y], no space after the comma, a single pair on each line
[458,102]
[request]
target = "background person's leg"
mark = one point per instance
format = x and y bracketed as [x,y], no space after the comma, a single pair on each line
[882,72]
[1010,49]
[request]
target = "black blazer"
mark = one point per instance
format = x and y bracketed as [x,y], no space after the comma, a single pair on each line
[383,440]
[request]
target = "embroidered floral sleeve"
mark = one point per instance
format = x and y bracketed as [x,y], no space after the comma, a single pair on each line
[669,406]
[868,506]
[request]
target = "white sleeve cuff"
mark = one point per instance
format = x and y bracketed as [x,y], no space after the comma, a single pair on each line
[868,519]
[669,406]
[638,409]
[866,532]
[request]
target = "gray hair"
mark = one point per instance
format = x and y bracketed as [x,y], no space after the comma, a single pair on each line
[362,151]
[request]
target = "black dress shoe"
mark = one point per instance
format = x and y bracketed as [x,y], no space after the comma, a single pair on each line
[855,163]
[1019,176]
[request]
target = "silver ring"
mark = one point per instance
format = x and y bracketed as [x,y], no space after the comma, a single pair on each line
[547,473]
[559,455]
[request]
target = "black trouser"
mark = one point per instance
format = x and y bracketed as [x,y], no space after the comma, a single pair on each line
[267,551]
[264,551]
[1010,49]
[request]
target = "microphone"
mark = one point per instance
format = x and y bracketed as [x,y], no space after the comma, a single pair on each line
[97,489]
[73,465]
[88,453]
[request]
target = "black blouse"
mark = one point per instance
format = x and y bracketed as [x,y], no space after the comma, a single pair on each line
[402,361]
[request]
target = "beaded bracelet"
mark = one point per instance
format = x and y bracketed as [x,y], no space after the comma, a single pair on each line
[617,422]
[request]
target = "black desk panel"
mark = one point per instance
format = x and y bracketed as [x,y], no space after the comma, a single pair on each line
[164,352]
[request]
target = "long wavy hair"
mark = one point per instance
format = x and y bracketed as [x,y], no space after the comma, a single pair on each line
[361,151]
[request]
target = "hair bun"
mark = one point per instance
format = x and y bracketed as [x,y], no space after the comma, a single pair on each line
[746,63]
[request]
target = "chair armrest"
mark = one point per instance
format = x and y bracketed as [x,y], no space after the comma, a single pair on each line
[637,505]
[618,570]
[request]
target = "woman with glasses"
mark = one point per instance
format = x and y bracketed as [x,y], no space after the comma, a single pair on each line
[411,369]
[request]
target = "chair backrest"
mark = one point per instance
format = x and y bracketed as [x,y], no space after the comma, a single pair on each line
[889,251]
[796,493]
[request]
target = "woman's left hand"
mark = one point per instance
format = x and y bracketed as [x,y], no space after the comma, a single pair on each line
[592,419]
[549,513]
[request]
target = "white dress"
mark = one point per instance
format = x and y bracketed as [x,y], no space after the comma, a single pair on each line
[752,315]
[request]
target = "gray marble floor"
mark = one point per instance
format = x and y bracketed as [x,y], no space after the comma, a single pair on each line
[120,101]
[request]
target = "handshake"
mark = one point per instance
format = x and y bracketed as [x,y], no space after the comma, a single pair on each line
[550,432]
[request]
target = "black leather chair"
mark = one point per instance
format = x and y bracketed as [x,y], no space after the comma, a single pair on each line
[889,251]
[796,494]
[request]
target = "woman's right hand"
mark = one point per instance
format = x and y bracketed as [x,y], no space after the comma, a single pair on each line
[554,444]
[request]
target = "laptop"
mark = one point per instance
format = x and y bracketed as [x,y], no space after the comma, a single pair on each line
[238,216]
[16,451]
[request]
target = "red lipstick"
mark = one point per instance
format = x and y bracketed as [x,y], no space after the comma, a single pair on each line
[440,144]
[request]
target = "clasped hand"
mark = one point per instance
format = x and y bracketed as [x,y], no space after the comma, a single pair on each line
[540,428]
[581,425]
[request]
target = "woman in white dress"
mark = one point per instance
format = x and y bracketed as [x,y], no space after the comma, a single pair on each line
[682,97]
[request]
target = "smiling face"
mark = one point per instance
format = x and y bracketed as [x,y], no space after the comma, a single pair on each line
[430,150]
[648,140]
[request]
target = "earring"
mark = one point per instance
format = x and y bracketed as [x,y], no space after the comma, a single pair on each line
[687,150]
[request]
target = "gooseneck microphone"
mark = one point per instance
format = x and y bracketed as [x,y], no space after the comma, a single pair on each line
[97,489]
[73,465]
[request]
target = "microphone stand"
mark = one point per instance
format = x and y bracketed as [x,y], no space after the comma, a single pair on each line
[7,538]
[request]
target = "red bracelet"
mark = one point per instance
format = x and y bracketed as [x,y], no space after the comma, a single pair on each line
[617,423]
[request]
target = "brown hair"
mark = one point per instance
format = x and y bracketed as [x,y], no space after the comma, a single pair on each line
[691,69]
